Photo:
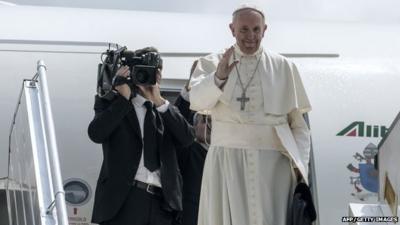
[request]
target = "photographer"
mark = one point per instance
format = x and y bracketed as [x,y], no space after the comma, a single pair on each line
[139,181]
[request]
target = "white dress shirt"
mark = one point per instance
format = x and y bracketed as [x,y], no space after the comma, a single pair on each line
[143,174]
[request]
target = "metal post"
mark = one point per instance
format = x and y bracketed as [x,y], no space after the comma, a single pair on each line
[62,217]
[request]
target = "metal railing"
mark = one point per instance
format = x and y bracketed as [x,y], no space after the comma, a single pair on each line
[35,194]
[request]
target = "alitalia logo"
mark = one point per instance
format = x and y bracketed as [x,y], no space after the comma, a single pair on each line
[359,129]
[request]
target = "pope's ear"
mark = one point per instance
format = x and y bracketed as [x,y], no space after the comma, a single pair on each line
[232,29]
[265,29]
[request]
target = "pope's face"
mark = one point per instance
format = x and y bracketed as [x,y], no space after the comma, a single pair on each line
[248,28]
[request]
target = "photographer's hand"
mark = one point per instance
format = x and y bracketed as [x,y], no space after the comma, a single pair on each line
[123,89]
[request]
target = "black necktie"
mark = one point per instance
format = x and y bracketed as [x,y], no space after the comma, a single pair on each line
[151,156]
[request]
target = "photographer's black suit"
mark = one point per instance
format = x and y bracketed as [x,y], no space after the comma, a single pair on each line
[116,127]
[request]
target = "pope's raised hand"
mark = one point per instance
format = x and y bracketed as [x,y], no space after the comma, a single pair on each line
[223,68]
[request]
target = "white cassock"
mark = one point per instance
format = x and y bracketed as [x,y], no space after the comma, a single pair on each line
[247,178]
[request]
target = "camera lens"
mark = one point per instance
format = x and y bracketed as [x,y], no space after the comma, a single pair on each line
[142,76]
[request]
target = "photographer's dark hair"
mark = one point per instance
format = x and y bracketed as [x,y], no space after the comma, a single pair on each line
[145,50]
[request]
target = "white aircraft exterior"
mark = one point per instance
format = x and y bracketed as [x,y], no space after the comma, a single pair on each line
[351,72]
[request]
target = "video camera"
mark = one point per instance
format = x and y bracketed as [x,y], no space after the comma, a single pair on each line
[143,67]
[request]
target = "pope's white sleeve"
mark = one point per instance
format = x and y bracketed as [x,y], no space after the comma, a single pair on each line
[301,134]
[204,92]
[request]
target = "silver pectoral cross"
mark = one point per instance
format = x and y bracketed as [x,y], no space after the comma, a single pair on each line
[243,101]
